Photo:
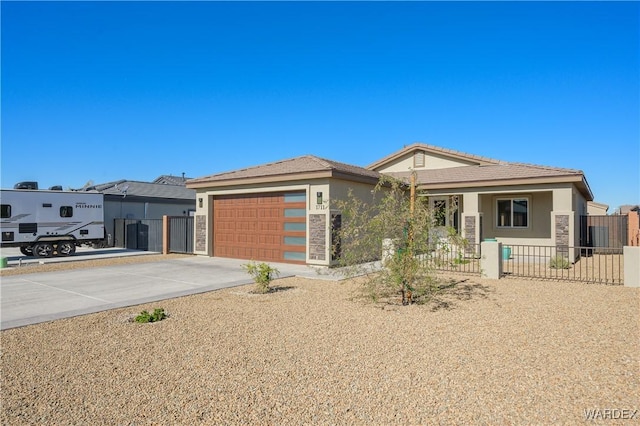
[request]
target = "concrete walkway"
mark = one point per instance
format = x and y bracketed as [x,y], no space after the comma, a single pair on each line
[45,296]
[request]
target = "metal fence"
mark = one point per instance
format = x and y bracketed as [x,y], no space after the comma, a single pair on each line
[453,258]
[585,264]
[181,234]
[604,232]
[138,234]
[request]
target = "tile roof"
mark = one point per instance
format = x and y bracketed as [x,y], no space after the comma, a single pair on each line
[437,150]
[502,171]
[144,189]
[626,208]
[289,167]
[171,180]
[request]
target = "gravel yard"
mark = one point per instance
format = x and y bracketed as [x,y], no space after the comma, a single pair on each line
[484,352]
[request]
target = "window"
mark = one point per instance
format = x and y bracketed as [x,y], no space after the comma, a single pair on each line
[5,211]
[440,212]
[295,212]
[295,197]
[295,241]
[66,211]
[294,255]
[513,213]
[295,226]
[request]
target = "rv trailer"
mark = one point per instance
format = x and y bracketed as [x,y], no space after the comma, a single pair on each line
[44,223]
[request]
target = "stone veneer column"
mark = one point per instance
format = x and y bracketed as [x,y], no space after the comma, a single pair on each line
[201,232]
[562,230]
[470,229]
[317,236]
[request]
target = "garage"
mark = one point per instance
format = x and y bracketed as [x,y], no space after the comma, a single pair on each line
[275,212]
[266,226]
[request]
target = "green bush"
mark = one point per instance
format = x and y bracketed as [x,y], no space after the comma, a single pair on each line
[262,274]
[157,315]
[559,262]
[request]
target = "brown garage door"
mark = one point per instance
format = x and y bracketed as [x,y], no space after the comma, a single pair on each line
[261,227]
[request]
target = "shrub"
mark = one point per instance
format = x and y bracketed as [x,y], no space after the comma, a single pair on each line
[157,315]
[262,274]
[559,262]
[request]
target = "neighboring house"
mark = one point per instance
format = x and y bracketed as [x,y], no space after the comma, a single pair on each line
[596,209]
[626,208]
[480,197]
[172,180]
[127,199]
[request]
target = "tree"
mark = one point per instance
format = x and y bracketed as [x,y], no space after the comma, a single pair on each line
[394,224]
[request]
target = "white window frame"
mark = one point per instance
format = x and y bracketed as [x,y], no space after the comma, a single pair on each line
[512,199]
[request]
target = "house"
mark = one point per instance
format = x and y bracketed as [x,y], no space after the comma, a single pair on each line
[130,199]
[596,209]
[626,208]
[281,212]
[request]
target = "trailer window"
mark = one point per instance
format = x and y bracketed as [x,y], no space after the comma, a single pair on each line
[5,211]
[66,211]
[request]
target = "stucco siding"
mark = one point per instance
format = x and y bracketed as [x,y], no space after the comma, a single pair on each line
[539,229]
[431,161]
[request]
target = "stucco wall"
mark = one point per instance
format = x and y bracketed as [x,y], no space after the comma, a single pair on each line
[431,161]
[318,214]
[539,229]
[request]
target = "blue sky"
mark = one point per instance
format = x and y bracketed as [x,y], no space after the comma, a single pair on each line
[132,90]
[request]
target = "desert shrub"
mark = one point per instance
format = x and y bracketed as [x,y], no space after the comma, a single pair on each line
[157,315]
[262,274]
[559,262]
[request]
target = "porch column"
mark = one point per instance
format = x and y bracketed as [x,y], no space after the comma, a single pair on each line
[563,222]
[471,218]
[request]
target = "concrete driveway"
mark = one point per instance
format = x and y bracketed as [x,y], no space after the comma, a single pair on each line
[40,297]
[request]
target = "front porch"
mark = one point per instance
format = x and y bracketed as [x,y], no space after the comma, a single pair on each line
[538,216]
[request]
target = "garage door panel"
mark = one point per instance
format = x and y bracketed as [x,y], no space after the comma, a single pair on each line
[261,227]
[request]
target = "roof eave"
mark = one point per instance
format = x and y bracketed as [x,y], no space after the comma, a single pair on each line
[431,149]
[206,183]
[578,180]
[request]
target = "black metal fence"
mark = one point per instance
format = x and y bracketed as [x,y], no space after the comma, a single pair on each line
[454,258]
[585,264]
[604,232]
[181,234]
[146,234]
[138,234]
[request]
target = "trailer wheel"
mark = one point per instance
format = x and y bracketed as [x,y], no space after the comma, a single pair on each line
[26,250]
[43,250]
[66,248]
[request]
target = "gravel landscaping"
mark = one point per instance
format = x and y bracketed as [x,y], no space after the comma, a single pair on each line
[313,352]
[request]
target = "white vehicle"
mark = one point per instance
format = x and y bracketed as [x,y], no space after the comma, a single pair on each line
[44,223]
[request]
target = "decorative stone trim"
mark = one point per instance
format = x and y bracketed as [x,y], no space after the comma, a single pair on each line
[562,230]
[470,229]
[317,236]
[201,232]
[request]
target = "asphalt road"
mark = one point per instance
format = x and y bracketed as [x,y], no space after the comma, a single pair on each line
[46,296]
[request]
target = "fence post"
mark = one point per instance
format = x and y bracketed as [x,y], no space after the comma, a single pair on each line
[165,234]
[631,266]
[633,226]
[491,259]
